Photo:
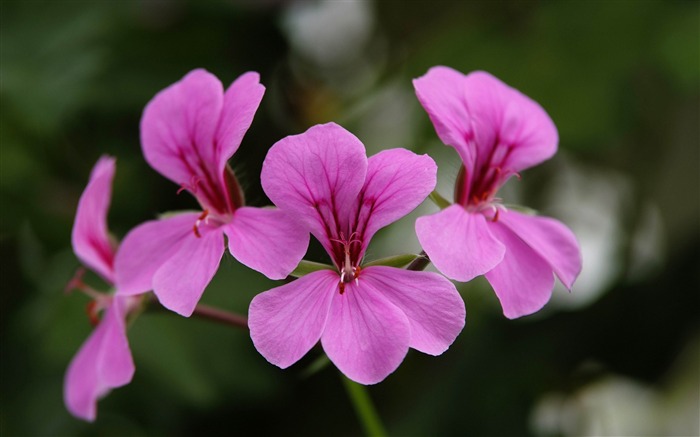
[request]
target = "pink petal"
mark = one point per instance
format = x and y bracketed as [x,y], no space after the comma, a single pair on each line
[431,303]
[523,281]
[459,243]
[266,240]
[366,336]
[551,239]
[287,321]
[486,120]
[440,93]
[178,137]
[146,247]
[504,117]
[103,362]
[181,280]
[241,100]
[316,176]
[397,182]
[91,241]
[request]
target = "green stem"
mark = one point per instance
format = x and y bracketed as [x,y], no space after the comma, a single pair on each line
[364,408]
[206,312]
[218,315]
[438,200]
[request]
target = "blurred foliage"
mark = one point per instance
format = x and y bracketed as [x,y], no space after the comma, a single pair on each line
[620,79]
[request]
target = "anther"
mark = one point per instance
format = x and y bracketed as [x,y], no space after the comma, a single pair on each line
[76,283]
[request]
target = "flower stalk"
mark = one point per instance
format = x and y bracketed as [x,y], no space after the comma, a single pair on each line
[364,408]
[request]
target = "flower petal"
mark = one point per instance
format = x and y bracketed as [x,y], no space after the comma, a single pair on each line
[523,281]
[366,336]
[439,92]
[503,117]
[90,238]
[266,240]
[103,362]
[434,308]
[316,176]
[489,123]
[181,280]
[241,101]
[287,321]
[551,239]
[178,137]
[459,243]
[146,247]
[397,182]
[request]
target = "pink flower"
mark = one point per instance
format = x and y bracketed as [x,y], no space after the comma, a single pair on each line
[188,132]
[497,132]
[104,361]
[366,317]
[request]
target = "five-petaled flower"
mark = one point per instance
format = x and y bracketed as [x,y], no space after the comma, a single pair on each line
[497,132]
[104,361]
[188,133]
[365,317]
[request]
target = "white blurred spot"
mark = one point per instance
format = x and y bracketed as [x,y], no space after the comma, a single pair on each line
[329,32]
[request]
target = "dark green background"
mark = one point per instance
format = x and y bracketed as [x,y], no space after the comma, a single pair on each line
[621,80]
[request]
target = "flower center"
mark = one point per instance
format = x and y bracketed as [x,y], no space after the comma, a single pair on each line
[478,193]
[349,270]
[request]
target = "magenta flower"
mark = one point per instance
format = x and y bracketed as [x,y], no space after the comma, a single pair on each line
[188,133]
[366,317]
[497,132]
[104,361]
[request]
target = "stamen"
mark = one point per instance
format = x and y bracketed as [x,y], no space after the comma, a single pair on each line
[341,287]
[202,217]
[194,181]
[92,312]
[76,282]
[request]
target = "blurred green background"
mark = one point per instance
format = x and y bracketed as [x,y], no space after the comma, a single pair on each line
[621,80]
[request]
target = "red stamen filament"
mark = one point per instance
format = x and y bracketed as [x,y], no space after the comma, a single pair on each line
[202,217]
[91,310]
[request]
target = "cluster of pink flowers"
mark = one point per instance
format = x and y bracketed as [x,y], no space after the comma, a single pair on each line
[322,183]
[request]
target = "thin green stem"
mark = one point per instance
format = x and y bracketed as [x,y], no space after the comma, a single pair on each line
[438,200]
[220,316]
[364,408]
[207,312]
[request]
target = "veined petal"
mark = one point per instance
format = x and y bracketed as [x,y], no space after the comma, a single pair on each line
[287,321]
[366,336]
[103,362]
[459,243]
[90,238]
[178,136]
[181,280]
[241,101]
[551,239]
[523,281]
[316,177]
[397,182]
[146,247]
[512,131]
[266,240]
[434,308]
[439,92]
